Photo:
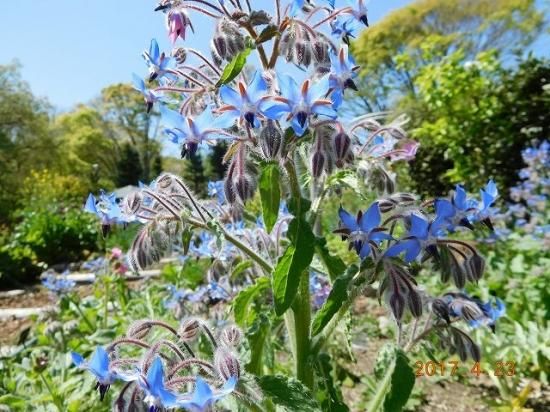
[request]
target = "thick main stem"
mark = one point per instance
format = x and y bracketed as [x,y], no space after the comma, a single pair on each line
[300,333]
[302,328]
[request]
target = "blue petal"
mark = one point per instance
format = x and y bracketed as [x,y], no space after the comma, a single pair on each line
[365,250]
[224,121]
[297,127]
[202,395]
[337,98]
[371,218]
[413,251]
[419,227]
[324,110]
[289,87]
[273,109]
[230,96]
[154,51]
[171,118]
[257,88]
[77,358]
[399,247]
[349,221]
[460,198]
[155,377]
[138,82]
[90,204]
[318,90]
[444,208]
[99,364]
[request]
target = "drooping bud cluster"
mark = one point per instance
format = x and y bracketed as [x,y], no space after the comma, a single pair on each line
[168,374]
[228,41]
[303,46]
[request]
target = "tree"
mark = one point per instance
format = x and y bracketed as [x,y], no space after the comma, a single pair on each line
[193,174]
[129,166]
[216,166]
[123,108]
[393,51]
[473,120]
[90,149]
[25,141]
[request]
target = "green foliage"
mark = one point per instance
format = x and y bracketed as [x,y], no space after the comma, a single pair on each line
[270,194]
[288,392]
[234,67]
[56,236]
[392,52]
[474,119]
[194,174]
[129,170]
[294,261]
[336,299]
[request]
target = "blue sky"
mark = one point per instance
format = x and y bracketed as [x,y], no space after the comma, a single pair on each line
[71,49]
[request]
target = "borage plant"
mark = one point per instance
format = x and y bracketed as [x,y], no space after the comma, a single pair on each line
[281,114]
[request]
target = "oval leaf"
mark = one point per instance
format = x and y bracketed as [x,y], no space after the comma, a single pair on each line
[270,194]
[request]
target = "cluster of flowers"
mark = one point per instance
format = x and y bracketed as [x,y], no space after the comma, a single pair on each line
[254,113]
[424,236]
[167,373]
[57,284]
[529,210]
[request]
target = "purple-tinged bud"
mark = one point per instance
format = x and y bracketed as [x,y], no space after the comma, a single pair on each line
[320,51]
[228,189]
[271,140]
[227,364]
[132,203]
[180,55]
[231,336]
[317,164]
[244,187]
[139,329]
[342,144]
[397,305]
[220,46]
[189,329]
[165,182]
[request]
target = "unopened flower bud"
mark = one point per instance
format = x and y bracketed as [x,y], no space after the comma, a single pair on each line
[189,329]
[132,203]
[342,144]
[227,364]
[139,329]
[231,336]
[271,140]
[180,55]
[320,51]
[317,163]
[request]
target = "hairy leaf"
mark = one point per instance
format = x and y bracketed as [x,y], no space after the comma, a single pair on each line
[335,266]
[338,295]
[234,67]
[296,259]
[402,382]
[241,304]
[270,194]
[288,393]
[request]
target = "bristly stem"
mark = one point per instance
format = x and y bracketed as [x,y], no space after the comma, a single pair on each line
[301,307]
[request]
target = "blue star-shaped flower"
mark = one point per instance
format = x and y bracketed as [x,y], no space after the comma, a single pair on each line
[473,310]
[422,234]
[243,104]
[157,62]
[299,102]
[204,397]
[363,232]
[343,70]
[344,28]
[106,208]
[156,394]
[150,96]
[193,131]
[99,366]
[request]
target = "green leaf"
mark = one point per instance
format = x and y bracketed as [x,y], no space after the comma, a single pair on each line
[288,393]
[402,383]
[13,401]
[296,259]
[333,400]
[234,67]
[270,194]
[256,336]
[240,268]
[336,298]
[267,34]
[335,266]
[242,300]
